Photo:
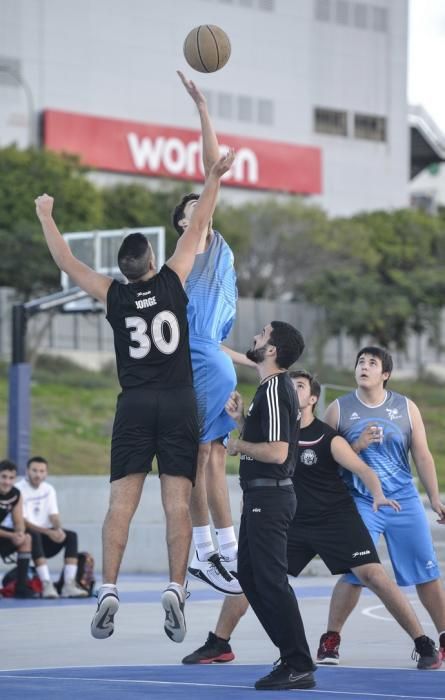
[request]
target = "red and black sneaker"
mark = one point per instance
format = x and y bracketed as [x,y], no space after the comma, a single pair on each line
[328,650]
[214,651]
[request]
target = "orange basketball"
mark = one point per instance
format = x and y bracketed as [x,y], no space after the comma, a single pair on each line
[207,48]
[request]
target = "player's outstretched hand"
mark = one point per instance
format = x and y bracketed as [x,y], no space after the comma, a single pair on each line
[44,205]
[192,89]
[223,164]
[380,501]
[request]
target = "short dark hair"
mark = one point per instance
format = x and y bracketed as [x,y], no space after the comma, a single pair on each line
[37,458]
[178,212]
[288,342]
[314,385]
[134,256]
[383,355]
[7,466]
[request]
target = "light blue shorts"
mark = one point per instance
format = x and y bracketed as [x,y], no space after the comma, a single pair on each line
[408,538]
[214,379]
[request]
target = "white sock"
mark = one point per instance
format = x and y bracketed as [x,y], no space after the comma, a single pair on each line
[43,572]
[202,537]
[69,572]
[228,546]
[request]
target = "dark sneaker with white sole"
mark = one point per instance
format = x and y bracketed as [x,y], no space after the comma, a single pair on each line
[284,677]
[215,651]
[426,653]
[328,649]
[102,624]
[213,572]
[173,601]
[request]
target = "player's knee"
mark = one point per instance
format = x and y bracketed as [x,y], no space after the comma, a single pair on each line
[371,575]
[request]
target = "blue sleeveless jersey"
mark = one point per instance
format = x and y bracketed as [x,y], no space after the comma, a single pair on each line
[390,459]
[211,289]
[212,292]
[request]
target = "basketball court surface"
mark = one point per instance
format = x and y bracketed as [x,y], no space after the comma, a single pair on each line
[47,651]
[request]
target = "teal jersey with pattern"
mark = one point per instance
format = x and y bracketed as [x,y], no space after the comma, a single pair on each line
[212,292]
[390,458]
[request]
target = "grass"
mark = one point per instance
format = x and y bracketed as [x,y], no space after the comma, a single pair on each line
[73,410]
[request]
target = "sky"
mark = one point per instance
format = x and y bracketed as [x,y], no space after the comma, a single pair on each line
[426,57]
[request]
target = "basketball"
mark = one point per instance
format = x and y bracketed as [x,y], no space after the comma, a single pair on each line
[207,48]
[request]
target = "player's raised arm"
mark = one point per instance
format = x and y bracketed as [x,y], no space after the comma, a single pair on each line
[184,256]
[85,277]
[210,147]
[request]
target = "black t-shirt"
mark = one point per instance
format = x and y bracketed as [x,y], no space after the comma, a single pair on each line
[150,327]
[8,501]
[317,481]
[273,416]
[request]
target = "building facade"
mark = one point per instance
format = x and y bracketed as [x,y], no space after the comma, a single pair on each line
[313,96]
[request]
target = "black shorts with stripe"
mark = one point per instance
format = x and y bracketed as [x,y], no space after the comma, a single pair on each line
[340,538]
[155,422]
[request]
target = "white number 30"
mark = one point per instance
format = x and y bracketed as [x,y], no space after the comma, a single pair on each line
[139,335]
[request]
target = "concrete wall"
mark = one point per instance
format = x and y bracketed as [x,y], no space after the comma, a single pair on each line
[83,504]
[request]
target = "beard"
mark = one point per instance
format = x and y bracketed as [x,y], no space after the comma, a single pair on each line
[257,355]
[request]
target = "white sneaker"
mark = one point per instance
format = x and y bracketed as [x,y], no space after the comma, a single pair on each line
[173,601]
[102,624]
[213,572]
[48,590]
[70,589]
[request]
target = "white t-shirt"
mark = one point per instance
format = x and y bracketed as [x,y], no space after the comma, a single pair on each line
[38,504]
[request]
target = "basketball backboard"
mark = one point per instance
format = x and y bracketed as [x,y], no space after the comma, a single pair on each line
[99,249]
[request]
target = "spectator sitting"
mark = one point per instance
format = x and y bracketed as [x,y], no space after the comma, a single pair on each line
[14,539]
[42,520]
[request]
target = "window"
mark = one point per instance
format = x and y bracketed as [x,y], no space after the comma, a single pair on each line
[225,107]
[330,121]
[380,19]
[268,5]
[342,12]
[245,109]
[265,112]
[360,13]
[369,126]
[209,97]
[323,10]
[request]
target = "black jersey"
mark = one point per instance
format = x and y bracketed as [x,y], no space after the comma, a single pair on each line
[317,481]
[8,501]
[273,416]
[151,338]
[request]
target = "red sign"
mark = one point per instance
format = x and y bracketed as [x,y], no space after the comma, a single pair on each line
[164,151]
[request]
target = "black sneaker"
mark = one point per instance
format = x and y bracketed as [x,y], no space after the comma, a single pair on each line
[215,650]
[284,677]
[427,655]
[328,649]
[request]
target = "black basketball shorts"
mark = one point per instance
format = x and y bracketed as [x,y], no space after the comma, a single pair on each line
[341,539]
[155,422]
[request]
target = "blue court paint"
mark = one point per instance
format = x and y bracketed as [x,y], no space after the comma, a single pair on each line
[217,682]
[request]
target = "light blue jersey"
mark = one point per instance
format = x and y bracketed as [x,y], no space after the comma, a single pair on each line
[212,292]
[390,458]
[407,532]
[211,289]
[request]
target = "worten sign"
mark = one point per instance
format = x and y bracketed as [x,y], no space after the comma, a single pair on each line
[164,151]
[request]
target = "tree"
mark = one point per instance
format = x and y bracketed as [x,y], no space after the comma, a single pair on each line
[27,265]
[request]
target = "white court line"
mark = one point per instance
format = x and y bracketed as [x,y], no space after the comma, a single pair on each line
[369,612]
[222,685]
